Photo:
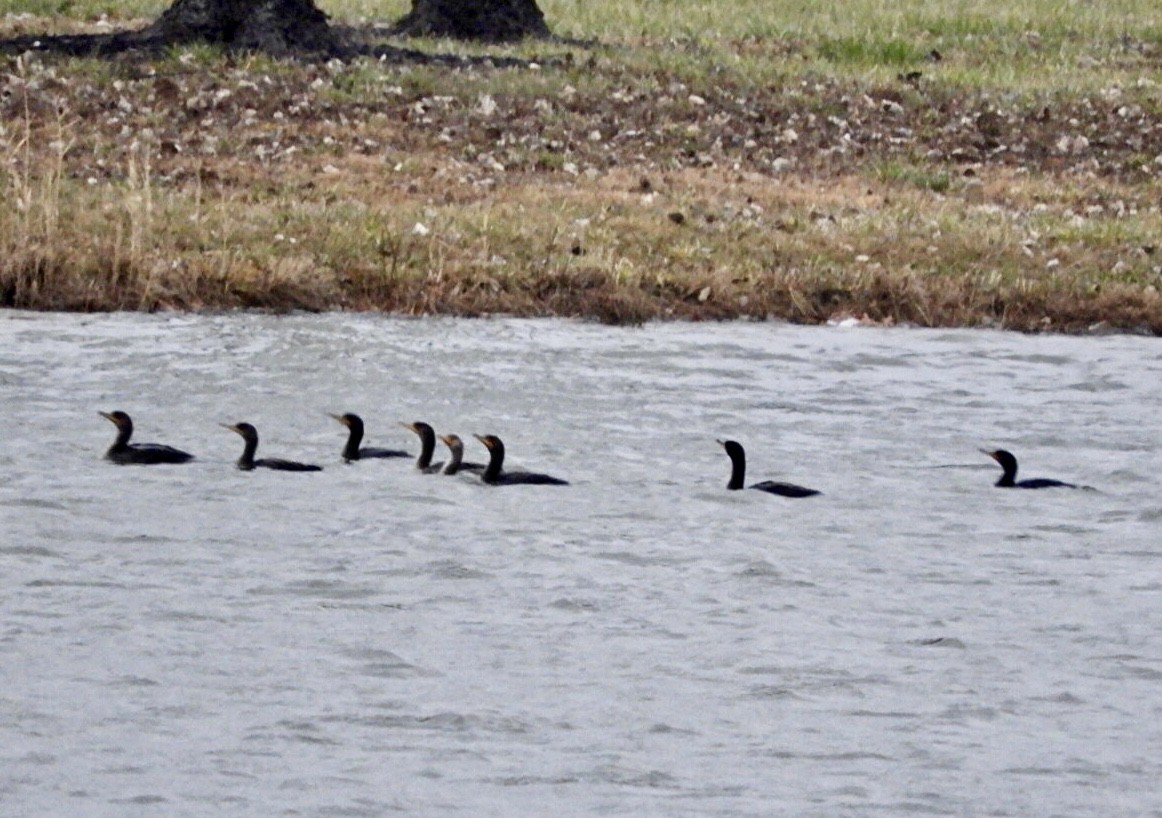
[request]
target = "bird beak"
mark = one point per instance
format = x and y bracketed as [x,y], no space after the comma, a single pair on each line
[340,418]
[720,442]
[993,455]
[108,416]
[409,426]
[231,427]
[481,439]
[446,439]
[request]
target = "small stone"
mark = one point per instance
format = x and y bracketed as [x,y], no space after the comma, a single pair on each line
[486,105]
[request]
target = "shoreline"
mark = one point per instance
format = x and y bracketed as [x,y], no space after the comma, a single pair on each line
[839,320]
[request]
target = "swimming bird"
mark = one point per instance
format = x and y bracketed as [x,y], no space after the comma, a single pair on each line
[738,475]
[494,474]
[1009,476]
[122,451]
[352,450]
[247,462]
[427,437]
[456,461]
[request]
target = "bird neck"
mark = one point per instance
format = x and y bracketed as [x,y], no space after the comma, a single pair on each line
[427,448]
[455,455]
[351,450]
[122,441]
[1009,478]
[246,461]
[495,464]
[737,470]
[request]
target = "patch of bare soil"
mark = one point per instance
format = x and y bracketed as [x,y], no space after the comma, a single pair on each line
[812,126]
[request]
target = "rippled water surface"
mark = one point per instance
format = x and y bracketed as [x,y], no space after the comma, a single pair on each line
[194,640]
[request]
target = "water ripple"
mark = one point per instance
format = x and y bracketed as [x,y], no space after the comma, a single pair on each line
[642,642]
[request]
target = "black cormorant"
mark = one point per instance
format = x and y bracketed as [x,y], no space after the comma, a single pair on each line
[456,457]
[1009,476]
[247,462]
[122,451]
[427,437]
[352,450]
[494,474]
[738,475]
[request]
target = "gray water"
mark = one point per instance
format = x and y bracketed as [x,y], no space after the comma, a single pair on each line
[194,640]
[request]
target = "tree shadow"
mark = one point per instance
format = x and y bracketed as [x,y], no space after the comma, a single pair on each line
[309,42]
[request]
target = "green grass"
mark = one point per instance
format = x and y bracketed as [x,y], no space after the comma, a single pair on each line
[867,51]
[938,180]
[1036,45]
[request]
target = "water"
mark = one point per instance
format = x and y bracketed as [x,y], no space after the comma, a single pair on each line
[193,640]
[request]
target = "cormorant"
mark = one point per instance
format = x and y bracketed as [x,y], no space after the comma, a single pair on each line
[247,462]
[456,459]
[352,450]
[122,451]
[494,475]
[427,437]
[738,475]
[1009,477]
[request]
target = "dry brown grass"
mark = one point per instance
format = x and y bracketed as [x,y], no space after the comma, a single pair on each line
[568,192]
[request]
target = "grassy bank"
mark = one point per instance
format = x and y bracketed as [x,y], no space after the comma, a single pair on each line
[929,164]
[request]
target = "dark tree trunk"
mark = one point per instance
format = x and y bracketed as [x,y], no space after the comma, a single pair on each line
[277,27]
[489,20]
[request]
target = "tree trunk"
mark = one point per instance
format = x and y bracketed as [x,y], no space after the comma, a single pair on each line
[277,27]
[489,20]
[286,28]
